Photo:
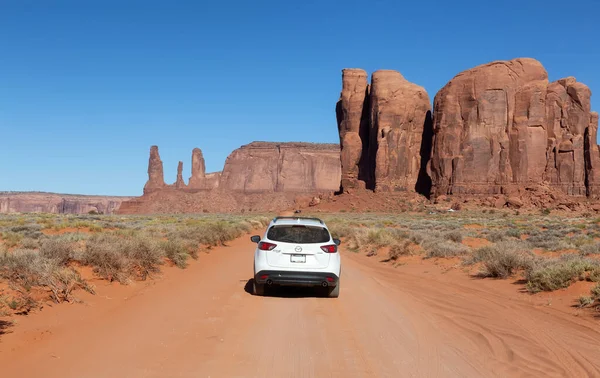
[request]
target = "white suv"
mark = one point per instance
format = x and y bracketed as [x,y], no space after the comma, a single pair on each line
[297,251]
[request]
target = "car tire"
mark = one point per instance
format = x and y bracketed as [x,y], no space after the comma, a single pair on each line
[335,291]
[258,289]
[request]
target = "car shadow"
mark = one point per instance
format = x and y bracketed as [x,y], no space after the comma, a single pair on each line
[286,292]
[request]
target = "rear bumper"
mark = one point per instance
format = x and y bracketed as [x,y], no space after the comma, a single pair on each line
[285,278]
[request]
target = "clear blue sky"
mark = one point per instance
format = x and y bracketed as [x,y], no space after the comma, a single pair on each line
[86,87]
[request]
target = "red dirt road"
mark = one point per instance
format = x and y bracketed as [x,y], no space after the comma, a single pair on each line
[388,322]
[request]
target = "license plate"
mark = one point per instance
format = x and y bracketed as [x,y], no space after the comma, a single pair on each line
[298,258]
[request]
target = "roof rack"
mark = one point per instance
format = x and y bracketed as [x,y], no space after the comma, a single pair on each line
[291,217]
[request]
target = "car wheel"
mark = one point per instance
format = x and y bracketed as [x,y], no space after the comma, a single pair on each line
[334,292]
[259,289]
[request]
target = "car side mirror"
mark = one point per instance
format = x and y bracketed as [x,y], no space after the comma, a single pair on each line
[337,241]
[255,238]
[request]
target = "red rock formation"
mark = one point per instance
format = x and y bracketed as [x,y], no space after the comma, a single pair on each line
[353,126]
[473,116]
[156,180]
[592,157]
[381,127]
[399,111]
[501,126]
[35,202]
[568,116]
[180,184]
[198,170]
[282,167]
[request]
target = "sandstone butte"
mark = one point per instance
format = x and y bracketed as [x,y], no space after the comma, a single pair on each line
[385,131]
[496,128]
[502,126]
[256,168]
[499,129]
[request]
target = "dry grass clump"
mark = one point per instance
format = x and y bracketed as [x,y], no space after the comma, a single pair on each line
[455,236]
[399,249]
[178,252]
[27,269]
[590,249]
[590,300]
[444,248]
[58,249]
[117,259]
[501,260]
[558,273]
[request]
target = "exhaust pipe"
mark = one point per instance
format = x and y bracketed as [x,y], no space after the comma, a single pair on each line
[324,284]
[269,282]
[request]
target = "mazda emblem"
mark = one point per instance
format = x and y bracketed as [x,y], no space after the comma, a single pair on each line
[298,249]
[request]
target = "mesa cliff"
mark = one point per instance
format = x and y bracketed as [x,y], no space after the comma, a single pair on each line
[497,129]
[37,202]
[502,126]
[259,175]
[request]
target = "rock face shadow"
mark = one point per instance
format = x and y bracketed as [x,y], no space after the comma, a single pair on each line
[424,183]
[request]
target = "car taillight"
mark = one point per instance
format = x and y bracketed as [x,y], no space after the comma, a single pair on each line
[265,246]
[332,248]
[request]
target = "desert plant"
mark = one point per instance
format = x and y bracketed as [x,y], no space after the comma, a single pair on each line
[176,251]
[29,243]
[585,300]
[455,236]
[596,291]
[62,282]
[399,249]
[590,249]
[501,260]
[58,249]
[104,252]
[11,239]
[553,274]
[442,248]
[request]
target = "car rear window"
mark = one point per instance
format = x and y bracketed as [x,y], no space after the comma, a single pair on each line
[298,234]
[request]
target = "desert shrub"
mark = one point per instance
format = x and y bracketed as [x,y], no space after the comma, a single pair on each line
[105,253]
[590,249]
[62,281]
[495,236]
[455,236]
[11,239]
[513,233]
[586,300]
[176,251]
[423,237]
[443,248]
[596,291]
[399,249]
[58,249]
[371,250]
[549,242]
[32,231]
[341,230]
[23,267]
[379,238]
[144,256]
[553,274]
[501,260]
[579,240]
[27,269]
[117,258]
[29,243]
